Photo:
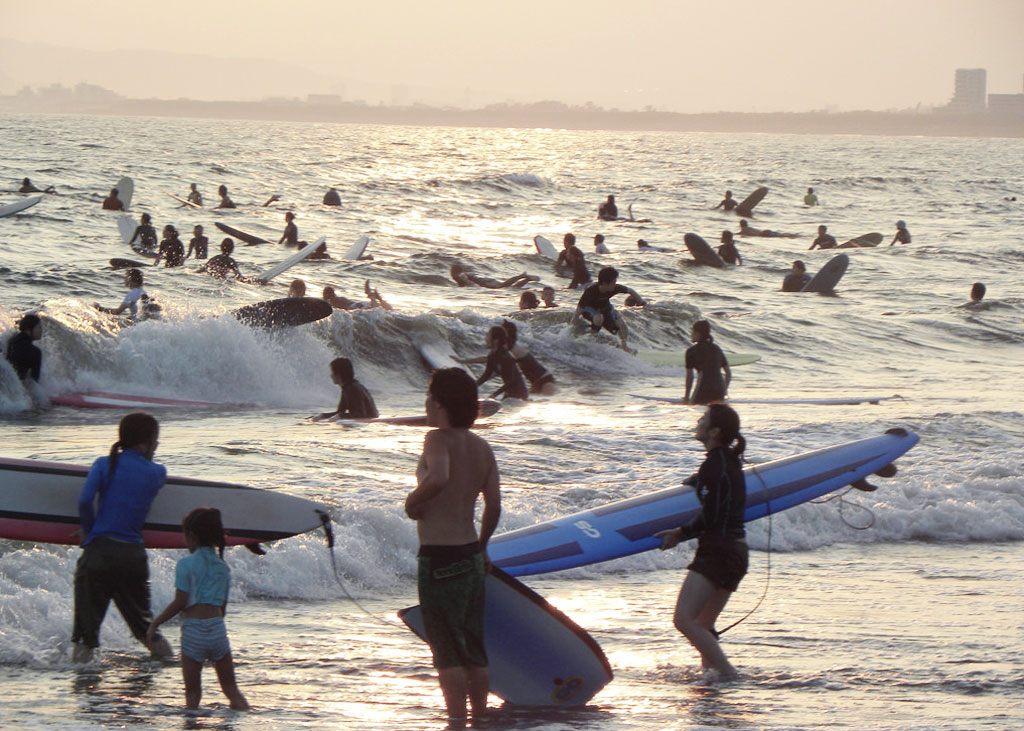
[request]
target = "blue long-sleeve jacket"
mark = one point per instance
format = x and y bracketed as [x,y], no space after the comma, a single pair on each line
[123,502]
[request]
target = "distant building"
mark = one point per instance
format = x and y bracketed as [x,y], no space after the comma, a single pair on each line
[1006,104]
[968,91]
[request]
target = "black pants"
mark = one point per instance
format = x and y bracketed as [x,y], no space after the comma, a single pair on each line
[109,569]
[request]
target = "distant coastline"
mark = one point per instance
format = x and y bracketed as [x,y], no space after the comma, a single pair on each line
[554,115]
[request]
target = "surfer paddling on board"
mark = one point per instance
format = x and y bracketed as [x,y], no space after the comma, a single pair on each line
[747,230]
[356,402]
[608,211]
[708,360]
[720,562]
[825,240]
[113,504]
[466,278]
[595,306]
[455,468]
[22,354]
[28,187]
[344,303]
[225,201]
[902,234]
[201,584]
[728,251]
[797,279]
[728,203]
[221,265]
[136,296]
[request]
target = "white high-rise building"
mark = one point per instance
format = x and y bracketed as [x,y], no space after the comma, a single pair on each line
[969,91]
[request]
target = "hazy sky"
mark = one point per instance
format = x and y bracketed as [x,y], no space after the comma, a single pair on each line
[680,55]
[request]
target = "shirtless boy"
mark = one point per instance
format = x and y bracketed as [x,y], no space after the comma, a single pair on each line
[456,466]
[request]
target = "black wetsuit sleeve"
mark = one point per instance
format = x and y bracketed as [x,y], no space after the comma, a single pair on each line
[714,492]
[490,369]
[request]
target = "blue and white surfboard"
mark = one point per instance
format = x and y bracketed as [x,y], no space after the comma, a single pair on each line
[628,526]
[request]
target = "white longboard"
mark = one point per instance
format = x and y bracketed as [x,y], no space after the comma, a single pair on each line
[291,261]
[125,191]
[832,401]
[17,207]
[39,503]
[357,249]
[545,247]
[536,655]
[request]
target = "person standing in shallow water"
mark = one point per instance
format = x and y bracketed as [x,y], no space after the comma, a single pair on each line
[113,504]
[456,467]
[722,556]
[708,360]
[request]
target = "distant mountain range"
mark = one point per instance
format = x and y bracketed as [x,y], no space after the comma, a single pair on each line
[146,74]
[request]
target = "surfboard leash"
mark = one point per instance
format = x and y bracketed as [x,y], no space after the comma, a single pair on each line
[325,520]
[768,563]
[842,502]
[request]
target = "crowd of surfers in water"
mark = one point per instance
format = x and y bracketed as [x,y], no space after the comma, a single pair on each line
[455,468]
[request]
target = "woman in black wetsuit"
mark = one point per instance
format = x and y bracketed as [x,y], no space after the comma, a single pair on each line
[708,360]
[721,559]
[500,362]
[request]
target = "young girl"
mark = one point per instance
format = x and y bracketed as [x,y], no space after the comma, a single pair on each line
[721,559]
[201,582]
[500,362]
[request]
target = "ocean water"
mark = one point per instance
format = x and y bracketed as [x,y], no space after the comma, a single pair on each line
[898,609]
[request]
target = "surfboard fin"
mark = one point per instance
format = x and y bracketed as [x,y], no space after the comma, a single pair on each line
[888,471]
[863,485]
[256,548]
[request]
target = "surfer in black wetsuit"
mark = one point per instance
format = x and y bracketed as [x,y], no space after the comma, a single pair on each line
[225,201]
[356,402]
[595,305]
[540,378]
[219,266]
[172,251]
[608,211]
[797,279]
[199,244]
[728,251]
[722,556]
[22,354]
[902,234]
[501,362]
[728,203]
[290,237]
[27,187]
[146,234]
[331,198]
[825,240]
[708,360]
